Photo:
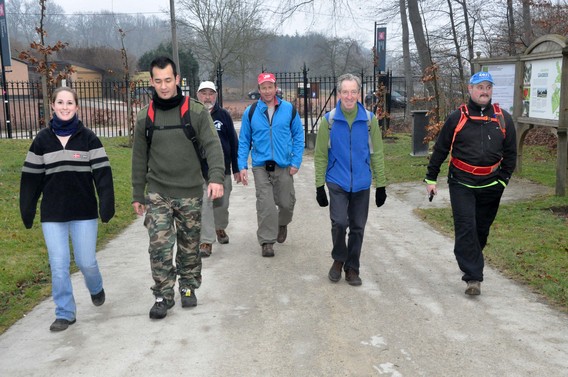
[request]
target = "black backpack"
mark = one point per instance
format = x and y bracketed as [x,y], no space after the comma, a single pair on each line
[187,129]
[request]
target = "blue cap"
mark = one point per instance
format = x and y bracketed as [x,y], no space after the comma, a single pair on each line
[480,77]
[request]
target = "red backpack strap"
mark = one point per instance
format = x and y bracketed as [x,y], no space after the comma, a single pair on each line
[464,112]
[150,116]
[500,118]
[184,110]
[463,118]
[151,111]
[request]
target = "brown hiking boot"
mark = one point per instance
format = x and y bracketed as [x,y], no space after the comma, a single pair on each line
[222,236]
[352,277]
[473,288]
[282,233]
[267,250]
[205,249]
[335,271]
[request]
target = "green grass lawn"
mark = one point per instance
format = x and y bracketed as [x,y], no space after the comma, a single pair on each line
[528,240]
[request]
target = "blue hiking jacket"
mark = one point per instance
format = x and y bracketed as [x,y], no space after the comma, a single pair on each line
[281,141]
[349,157]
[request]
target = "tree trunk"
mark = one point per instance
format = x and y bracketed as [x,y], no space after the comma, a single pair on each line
[511,32]
[422,46]
[458,52]
[46,101]
[468,35]
[406,59]
[527,25]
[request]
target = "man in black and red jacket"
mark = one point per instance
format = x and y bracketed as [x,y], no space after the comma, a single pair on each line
[481,141]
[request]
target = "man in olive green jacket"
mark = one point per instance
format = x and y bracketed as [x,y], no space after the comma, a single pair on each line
[167,166]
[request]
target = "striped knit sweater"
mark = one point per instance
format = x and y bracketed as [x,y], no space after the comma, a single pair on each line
[67,178]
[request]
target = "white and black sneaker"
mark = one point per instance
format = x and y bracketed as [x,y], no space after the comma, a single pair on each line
[160,308]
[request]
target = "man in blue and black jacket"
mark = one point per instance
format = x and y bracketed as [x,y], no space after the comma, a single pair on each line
[349,158]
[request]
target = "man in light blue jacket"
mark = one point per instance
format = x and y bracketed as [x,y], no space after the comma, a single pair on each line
[272,132]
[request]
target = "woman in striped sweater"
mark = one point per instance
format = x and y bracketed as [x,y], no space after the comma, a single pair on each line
[66,164]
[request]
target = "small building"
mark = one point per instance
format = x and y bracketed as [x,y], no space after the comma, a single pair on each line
[17,78]
[17,71]
[87,77]
[143,76]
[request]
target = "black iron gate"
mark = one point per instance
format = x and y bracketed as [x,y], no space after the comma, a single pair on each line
[315,96]
[104,104]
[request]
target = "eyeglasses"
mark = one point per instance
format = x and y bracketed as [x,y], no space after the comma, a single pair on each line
[347,92]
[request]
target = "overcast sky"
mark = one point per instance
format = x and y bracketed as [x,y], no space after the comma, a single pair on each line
[361,30]
[145,7]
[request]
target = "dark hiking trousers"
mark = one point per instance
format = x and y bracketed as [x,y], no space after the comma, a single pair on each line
[347,210]
[474,210]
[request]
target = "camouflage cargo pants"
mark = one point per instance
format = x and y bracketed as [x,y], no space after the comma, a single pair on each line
[169,220]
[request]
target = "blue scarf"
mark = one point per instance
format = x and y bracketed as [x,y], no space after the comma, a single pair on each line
[64,127]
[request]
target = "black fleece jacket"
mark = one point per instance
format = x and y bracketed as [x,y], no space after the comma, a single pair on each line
[478,143]
[67,179]
[228,137]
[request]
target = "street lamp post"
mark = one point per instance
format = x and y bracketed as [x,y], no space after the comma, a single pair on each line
[175,52]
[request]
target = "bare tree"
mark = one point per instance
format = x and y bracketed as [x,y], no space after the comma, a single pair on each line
[458,48]
[339,55]
[468,31]
[549,17]
[497,30]
[527,24]
[406,58]
[38,57]
[129,87]
[422,46]
[287,9]
[22,14]
[89,31]
[511,27]
[224,31]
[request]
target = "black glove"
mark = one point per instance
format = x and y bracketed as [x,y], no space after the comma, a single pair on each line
[380,196]
[321,197]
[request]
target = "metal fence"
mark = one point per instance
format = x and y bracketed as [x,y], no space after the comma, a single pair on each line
[321,94]
[104,106]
